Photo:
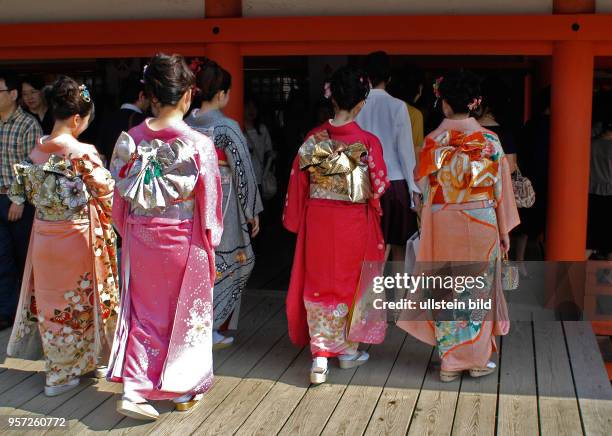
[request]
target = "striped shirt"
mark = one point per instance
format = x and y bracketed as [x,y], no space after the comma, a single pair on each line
[18,136]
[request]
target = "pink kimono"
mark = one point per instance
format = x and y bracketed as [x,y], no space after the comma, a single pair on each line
[168,212]
[463,215]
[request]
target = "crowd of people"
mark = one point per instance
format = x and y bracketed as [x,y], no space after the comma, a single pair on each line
[177,194]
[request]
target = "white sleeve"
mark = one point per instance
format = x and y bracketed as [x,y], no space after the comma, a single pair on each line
[405,147]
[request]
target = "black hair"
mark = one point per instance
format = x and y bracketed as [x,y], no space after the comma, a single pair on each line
[66,98]
[412,79]
[459,88]
[35,82]
[257,121]
[11,81]
[378,67]
[131,89]
[213,78]
[167,78]
[349,86]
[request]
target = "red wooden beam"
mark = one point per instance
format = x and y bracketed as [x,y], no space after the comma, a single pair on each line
[494,34]
[314,29]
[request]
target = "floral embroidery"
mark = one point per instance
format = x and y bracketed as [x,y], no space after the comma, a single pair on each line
[328,328]
[200,322]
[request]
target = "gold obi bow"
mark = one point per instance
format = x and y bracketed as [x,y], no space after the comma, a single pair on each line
[336,169]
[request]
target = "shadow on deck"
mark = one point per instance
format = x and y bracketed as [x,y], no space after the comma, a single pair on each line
[551,381]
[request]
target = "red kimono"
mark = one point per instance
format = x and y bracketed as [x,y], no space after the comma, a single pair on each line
[333,205]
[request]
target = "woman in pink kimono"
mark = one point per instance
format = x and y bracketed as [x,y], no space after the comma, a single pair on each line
[468,212]
[168,212]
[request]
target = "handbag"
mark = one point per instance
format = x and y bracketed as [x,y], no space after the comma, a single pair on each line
[269,185]
[523,190]
[509,275]
[412,248]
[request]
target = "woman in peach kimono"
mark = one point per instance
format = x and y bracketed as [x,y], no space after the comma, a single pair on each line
[469,210]
[70,281]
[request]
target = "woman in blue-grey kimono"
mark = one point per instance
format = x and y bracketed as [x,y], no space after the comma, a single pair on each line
[241,201]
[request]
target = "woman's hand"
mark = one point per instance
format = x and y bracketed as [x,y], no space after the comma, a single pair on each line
[254,226]
[504,242]
[15,212]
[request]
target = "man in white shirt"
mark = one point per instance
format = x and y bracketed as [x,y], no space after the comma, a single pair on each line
[387,118]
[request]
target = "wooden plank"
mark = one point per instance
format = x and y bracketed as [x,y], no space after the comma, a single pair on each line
[590,378]
[85,411]
[18,370]
[41,405]
[248,327]
[396,404]
[311,414]
[476,406]
[518,405]
[24,391]
[272,412]
[227,377]
[559,412]
[241,402]
[352,414]
[436,404]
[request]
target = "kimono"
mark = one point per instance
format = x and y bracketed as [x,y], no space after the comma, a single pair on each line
[469,202]
[333,204]
[241,202]
[68,303]
[168,214]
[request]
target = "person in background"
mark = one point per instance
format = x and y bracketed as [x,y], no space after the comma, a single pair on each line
[258,139]
[167,208]
[411,89]
[69,296]
[242,204]
[599,235]
[532,157]
[131,113]
[387,118]
[468,212]
[19,133]
[32,94]
[338,228]
[495,101]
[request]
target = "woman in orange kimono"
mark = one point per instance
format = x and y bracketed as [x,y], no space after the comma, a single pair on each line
[469,210]
[333,204]
[70,281]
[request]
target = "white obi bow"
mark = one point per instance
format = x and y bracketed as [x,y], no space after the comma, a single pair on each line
[154,174]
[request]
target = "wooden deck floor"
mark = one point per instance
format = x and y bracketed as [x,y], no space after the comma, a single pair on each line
[551,382]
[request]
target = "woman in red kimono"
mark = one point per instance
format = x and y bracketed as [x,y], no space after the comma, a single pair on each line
[333,204]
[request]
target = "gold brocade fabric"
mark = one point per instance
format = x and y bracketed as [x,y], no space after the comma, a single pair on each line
[337,171]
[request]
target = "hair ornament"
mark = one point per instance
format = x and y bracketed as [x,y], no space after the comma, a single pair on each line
[327,90]
[436,89]
[474,104]
[144,73]
[196,65]
[84,92]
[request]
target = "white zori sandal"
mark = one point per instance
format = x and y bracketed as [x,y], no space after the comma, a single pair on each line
[142,411]
[319,370]
[55,390]
[220,342]
[346,361]
[449,376]
[186,402]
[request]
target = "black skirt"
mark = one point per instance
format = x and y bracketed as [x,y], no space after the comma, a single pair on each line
[599,233]
[399,222]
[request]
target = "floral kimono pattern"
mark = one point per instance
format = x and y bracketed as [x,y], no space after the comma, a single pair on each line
[72,298]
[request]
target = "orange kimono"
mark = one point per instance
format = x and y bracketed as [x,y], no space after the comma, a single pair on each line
[469,202]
